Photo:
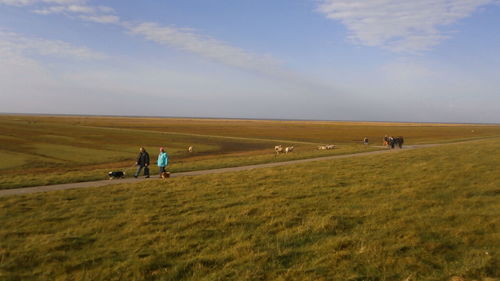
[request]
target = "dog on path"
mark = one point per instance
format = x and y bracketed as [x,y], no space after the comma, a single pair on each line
[116,175]
[165,175]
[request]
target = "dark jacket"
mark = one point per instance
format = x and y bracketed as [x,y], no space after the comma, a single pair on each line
[143,159]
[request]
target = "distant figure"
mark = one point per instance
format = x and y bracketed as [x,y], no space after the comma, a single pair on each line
[162,161]
[399,141]
[278,149]
[391,142]
[365,141]
[142,162]
[190,149]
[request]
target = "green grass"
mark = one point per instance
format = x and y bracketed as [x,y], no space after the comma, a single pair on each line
[426,214]
[76,174]
[40,150]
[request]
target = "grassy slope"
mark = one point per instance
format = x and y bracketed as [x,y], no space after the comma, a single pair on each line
[425,214]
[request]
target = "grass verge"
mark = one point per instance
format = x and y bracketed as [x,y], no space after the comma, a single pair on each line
[426,214]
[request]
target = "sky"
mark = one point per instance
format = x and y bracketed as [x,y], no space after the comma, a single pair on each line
[366,60]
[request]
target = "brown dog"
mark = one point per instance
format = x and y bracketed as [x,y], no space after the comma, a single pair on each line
[165,175]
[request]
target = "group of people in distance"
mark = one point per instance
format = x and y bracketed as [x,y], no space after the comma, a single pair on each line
[393,141]
[389,141]
[142,162]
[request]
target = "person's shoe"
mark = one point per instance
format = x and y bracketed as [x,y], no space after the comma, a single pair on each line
[146,177]
[135,176]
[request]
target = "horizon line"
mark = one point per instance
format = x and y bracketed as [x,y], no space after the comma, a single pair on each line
[243,118]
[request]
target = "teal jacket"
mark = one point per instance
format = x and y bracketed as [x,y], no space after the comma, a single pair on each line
[162,159]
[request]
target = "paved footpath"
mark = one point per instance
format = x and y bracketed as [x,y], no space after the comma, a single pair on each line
[46,188]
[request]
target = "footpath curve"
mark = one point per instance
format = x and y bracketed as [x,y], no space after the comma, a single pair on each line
[45,188]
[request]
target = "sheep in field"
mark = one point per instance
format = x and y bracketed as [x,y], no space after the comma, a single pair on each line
[326,147]
[278,149]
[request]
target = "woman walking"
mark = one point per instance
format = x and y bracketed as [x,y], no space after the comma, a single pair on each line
[162,160]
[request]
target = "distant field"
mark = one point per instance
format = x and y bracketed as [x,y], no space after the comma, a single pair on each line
[38,150]
[428,214]
[309,131]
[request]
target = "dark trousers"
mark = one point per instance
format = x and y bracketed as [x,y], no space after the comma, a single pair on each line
[162,169]
[139,168]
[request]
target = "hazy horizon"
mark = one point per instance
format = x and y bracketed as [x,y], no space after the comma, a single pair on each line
[235,118]
[331,60]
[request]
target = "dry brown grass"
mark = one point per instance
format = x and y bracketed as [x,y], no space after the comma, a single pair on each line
[37,150]
[431,214]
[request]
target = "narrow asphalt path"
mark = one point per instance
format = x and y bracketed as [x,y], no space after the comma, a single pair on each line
[45,188]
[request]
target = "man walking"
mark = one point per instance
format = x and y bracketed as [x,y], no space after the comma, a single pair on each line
[142,162]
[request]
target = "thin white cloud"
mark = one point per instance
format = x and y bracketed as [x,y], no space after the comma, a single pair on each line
[16,2]
[32,2]
[99,14]
[75,9]
[180,38]
[400,26]
[13,45]
[101,18]
[208,47]
[79,8]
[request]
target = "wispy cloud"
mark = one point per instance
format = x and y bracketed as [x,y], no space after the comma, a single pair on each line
[101,18]
[32,2]
[207,47]
[82,9]
[13,45]
[184,39]
[78,8]
[16,2]
[399,26]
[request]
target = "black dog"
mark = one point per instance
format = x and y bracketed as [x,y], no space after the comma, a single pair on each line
[116,175]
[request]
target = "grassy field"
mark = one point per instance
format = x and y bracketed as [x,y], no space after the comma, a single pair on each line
[428,214]
[40,150]
[309,131]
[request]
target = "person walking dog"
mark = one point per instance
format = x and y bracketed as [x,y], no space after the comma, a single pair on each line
[162,160]
[142,162]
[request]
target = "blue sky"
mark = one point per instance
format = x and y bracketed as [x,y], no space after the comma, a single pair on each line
[376,60]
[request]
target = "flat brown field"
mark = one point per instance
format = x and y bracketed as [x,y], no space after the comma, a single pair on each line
[36,150]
